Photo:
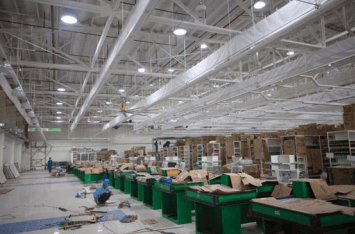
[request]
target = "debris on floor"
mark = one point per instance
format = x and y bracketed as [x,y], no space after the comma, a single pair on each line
[129,219]
[149,221]
[8,216]
[4,191]
[159,230]
[124,204]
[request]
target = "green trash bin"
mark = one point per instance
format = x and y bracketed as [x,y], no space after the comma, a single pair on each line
[222,214]
[175,206]
[111,177]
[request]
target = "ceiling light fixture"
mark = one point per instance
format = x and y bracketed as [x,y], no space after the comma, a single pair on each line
[58,117]
[60,89]
[289,53]
[121,90]
[179,32]
[59,103]
[108,103]
[151,85]
[259,5]
[100,111]
[128,102]
[171,70]
[142,69]
[204,46]
[58,112]
[69,19]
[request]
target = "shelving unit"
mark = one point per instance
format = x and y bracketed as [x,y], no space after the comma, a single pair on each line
[212,164]
[237,148]
[199,155]
[187,157]
[273,146]
[165,153]
[301,160]
[341,144]
[83,155]
[216,150]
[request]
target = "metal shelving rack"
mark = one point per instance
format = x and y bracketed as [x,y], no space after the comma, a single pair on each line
[83,154]
[216,147]
[165,153]
[237,148]
[301,160]
[342,144]
[199,155]
[273,146]
[187,158]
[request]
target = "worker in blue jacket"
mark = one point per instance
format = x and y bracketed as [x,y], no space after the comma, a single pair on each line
[49,164]
[103,193]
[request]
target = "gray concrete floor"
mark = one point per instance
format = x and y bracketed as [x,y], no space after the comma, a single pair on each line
[32,194]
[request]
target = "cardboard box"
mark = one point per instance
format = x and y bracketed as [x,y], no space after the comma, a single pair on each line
[343,175]
[252,170]
[140,168]
[198,175]
[259,149]
[281,190]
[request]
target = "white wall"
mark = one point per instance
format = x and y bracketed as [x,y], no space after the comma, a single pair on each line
[61,144]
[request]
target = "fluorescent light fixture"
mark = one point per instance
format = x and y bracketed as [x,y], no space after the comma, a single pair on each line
[151,85]
[61,89]
[58,112]
[204,46]
[171,70]
[329,64]
[100,111]
[59,103]
[179,32]
[58,117]
[215,86]
[69,19]
[180,102]
[108,103]
[128,102]
[121,90]
[142,69]
[289,53]
[259,5]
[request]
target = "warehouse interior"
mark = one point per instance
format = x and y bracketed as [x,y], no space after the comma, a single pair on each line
[177,116]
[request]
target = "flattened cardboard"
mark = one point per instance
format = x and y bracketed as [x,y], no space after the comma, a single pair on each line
[247,179]
[281,190]
[215,189]
[198,175]
[320,188]
[182,176]
[4,191]
[237,182]
[149,221]
[343,189]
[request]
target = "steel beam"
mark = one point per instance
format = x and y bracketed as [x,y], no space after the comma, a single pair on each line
[140,13]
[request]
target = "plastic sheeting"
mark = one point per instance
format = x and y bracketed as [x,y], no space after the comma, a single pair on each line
[2,176]
[281,22]
[307,63]
[10,171]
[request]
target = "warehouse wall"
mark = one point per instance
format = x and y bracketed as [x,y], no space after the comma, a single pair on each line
[122,139]
[62,144]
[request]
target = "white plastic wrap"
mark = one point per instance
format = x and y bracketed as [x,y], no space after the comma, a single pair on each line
[282,21]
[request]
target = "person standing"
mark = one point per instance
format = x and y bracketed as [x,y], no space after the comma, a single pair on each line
[49,164]
[156,146]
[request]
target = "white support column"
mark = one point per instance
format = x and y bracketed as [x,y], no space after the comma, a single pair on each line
[18,152]
[9,150]
[2,142]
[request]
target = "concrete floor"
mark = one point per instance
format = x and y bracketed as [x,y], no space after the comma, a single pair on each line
[35,190]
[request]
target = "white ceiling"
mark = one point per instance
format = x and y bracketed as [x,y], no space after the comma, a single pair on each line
[48,54]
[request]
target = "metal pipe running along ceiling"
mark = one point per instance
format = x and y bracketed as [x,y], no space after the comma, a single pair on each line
[140,13]
[278,24]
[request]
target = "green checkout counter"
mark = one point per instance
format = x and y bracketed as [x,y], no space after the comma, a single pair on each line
[279,219]
[224,213]
[292,221]
[131,186]
[111,177]
[175,206]
[150,196]
[120,180]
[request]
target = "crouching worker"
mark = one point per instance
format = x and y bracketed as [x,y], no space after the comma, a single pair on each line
[103,193]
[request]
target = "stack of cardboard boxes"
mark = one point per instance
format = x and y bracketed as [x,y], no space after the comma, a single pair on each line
[343,175]
[349,117]
[104,154]
[139,150]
